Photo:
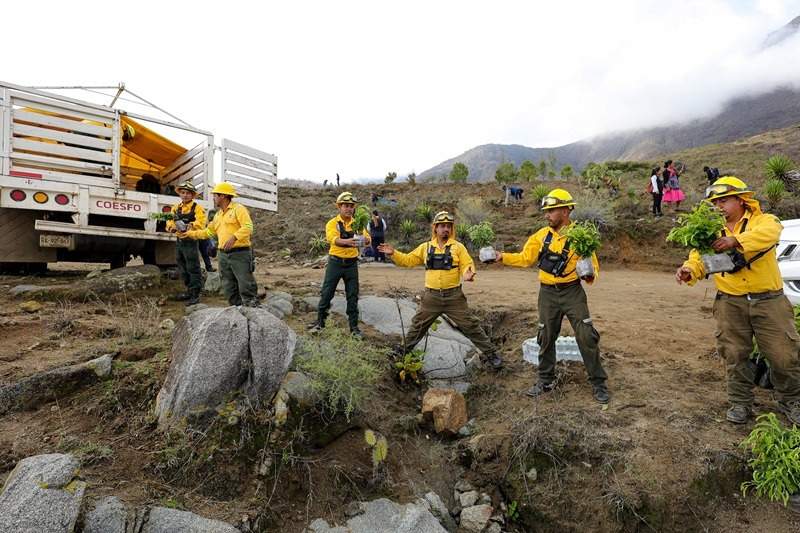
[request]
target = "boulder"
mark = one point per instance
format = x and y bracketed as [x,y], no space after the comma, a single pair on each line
[213,284]
[298,387]
[217,352]
[47,292]
[475,518]
[125,279]
[165,520]
[439,510]
[285,306]
[385,516]
[447,408]
[468,499]
[42,495]
[189,309]
[34,390]
[108,516]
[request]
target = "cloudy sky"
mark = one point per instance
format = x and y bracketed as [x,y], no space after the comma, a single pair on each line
[363,88]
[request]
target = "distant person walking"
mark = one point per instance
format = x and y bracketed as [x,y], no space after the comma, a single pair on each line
[657,190]
[672,185]
[712,174]
[337,180]
[377,232]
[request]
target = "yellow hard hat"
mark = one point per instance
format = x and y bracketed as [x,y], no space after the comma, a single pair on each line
[186,186]
[346,198]
[443,217]
[557,198]
[224,188]
[726,186]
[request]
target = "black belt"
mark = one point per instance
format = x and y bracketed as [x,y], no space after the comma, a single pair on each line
[346,261]
[766,295]
[234,250]
[562,286]
[444,292]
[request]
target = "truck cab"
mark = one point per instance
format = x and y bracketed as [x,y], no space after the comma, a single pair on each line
[81,181]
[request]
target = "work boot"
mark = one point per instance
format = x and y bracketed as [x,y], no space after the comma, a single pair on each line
[539,388]
[600,393]
[495,361]
[315,327]
[355,332]
[791,410]
[181,296]
[193,299]
[738,414]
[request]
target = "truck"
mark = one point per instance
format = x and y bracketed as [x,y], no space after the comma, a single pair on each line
[84,182]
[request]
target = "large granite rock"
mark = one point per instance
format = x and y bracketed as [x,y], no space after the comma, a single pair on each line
[108,516]
[475,518]
[446,348]
[52,384]
[165,520]
[217,352]
[385,516]
[125,279]
[42,495]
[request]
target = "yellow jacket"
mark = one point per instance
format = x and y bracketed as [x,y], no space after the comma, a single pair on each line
[762,231]
[438,279]
[199,215]
[530,255]
[231,222]
[332,233]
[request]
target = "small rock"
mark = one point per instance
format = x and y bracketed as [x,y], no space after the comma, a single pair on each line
[167,324]
[298,386]
[439,510]
[447,408]
[164,520]
[474,519]
[463,486]
[532,474]
[353,509]
[485,499]
[494,527]
[31,306]
[468,499]
[26,289]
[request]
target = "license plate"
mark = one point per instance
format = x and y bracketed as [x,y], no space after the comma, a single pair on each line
[57,241]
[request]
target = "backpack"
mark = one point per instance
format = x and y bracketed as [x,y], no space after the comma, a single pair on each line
[649,188]
[714,172]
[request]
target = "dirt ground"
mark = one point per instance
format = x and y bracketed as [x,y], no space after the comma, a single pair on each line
[657,459]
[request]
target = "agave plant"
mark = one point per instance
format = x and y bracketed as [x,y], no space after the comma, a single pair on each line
[424,212]
[407,228]
[778,166]
[774,189]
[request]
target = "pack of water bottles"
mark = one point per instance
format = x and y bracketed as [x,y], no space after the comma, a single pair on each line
[566,350]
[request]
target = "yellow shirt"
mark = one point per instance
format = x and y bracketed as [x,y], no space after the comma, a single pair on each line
[199,215]
[530,255]
[438,279]
[332,233]
[231,222]
[762,231]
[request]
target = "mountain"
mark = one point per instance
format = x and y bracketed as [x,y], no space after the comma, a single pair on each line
[783,33]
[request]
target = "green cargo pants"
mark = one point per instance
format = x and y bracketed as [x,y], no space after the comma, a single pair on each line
[771,321]
[453,303]
[346,269]
[554,304]
[238,282]
[187,255]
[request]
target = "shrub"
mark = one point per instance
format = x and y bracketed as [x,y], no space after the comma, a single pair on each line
[317,244]
[407,228]
[505,173]
[698,228]
[774,189]
[412,178]
[459,173]
[361,218]
[778,166]
[596,210]
[390,177]
[472,210]
[528,171]
[566,171]
[342,368]
[539,192]
[462,231]
[481,234]
[584,238]
[424,212]
[775,461]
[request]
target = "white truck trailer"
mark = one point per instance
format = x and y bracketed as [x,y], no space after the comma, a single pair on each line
[79,180]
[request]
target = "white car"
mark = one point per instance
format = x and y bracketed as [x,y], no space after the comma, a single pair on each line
[789,259]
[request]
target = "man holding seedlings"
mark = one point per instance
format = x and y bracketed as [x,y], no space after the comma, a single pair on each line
[342,262]
[232,228]
[750,301]
[447,262]
[188,215]
[561,294]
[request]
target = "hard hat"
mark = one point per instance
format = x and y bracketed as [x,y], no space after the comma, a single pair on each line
[726,186]
[346,198]
[224,188]
[443,217]
[557,198]
[186,186]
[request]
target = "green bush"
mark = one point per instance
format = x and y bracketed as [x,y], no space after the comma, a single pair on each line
[459,173]
[597,210]
[584,238]
[361,218]
[698,228]
[343,369]
[472,210]
[407,228]
[424,212]
[539,192]
[481,234]
[566,171]
[462,231]
[317,244]
[778,166]
[775,461]
[774,189]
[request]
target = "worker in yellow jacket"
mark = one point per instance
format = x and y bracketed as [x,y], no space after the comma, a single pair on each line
[750,301]
[560,294]
[188,215]
[233,228]
[447,262]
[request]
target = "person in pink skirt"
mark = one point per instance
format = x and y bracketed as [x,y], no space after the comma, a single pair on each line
[672,185]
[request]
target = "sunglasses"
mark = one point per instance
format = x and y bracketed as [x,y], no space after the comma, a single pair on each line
[550,201]
[444,219]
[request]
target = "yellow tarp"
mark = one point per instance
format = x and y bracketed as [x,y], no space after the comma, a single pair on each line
[145,149]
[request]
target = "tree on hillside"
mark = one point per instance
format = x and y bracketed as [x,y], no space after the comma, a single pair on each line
[506,173]
[543,168]
[390,177]
[412,178]
[566,171]
[527,171]
[552,162]
[459,173]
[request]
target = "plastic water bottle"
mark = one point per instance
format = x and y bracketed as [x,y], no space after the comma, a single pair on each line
[566,350]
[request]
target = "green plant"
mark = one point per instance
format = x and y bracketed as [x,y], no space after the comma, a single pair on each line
[513,511]
[342,368]
[459,173]
[481,234]
[595,209]
[778,166]
[412,178]
[410,365]
[361,218]
[775,461]
[424,212]
[774,189]
[528,171]
[472,210]
[162,217]
[505,173]
[566,171]
[407,229]
[539,192]
[380,450]
[584,238]
[390,177]
[698,228]
[317,244]
[462,231]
